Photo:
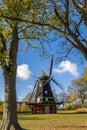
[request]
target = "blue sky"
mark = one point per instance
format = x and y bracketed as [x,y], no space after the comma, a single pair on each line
[31,63]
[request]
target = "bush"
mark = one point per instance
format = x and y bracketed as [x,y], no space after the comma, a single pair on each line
[1,106]
[71,106]
[85,105]
[22,107]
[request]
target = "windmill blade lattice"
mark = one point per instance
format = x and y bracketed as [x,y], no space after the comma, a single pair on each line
[45,73]
[33,91]
[51,65]
[33,76]
[58,84]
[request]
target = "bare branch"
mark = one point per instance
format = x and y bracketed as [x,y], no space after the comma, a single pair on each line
[77,26]
[67,13]
[76,6]
[70,41]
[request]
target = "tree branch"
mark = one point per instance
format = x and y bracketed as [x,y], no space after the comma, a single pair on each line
[3,42]
[77,26]
[72,43]
[76,6]
[67,13]
[62,20]
[33,22]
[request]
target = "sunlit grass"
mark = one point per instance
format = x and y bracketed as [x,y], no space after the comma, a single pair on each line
[61,121]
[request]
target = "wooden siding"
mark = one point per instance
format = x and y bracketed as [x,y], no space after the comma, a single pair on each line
[40,109]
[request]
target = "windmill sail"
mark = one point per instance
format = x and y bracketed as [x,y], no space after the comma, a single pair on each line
[58,84]
[51,65]
[33,92]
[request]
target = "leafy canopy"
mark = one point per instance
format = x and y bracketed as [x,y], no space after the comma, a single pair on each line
[26,15]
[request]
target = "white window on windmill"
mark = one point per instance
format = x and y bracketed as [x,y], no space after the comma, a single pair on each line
[46,99]
[38,100]
[40,84]
[46,92]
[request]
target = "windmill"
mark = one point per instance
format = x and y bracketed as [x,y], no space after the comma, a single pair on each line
[42,98]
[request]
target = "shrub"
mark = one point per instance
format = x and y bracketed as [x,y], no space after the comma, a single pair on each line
[1,106]
[71,106]
[22,107]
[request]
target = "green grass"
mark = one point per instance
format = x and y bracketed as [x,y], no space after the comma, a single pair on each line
[61,121]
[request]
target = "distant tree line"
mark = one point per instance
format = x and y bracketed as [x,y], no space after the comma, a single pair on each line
[21,107]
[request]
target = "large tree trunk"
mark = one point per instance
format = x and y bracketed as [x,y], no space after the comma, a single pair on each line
[10,121]
[10,109]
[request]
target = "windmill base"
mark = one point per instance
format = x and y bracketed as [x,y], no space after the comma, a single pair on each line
[43,108]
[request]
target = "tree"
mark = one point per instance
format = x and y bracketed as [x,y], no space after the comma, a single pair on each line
[70,20]
[25,108]
[81,7]
[12,32]
[67,20]
[84,77]
[71,95]
[78,90]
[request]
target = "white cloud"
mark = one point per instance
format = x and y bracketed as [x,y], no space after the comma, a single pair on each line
[30,86]
[23,72]
[67,66]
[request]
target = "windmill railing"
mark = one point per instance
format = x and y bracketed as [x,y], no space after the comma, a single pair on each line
[43,100]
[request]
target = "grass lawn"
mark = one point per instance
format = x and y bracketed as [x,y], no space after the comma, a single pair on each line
[61,121]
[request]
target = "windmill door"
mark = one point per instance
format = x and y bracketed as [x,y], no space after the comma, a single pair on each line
[47,109]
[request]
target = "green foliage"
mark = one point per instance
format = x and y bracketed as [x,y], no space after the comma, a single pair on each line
[78,89]
[1,106]
[70,106]
[25,108]
[26,15]
[84,77]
